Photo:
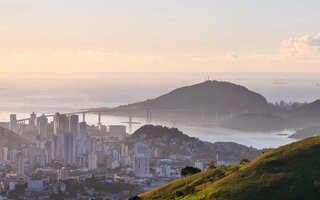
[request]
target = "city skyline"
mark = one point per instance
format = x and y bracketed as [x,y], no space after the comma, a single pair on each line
[170,99]
[159,36]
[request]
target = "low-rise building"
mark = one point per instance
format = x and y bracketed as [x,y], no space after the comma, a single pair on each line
[35,184]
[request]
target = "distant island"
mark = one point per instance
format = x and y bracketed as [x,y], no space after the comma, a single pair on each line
[306,132]
[217,103]
[209,100]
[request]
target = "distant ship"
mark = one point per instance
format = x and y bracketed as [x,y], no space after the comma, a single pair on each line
[279,82]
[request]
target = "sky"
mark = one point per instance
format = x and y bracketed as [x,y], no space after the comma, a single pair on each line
[159,36]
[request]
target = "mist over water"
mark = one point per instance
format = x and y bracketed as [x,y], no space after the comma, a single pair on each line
[23,93]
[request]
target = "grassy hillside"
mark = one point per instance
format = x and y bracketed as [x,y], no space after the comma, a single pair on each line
[289,172]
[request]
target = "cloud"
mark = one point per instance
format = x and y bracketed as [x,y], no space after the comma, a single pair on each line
[295,54]
[302,47]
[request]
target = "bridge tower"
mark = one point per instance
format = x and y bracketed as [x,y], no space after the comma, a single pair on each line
[130,122]
[99,119]
[149,117]
[83,117]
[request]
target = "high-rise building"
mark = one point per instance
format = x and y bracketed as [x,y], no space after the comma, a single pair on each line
[141,160]
[81,149]
[20,164]
[13,125]
[50,131]
[3,153]
[115,164]
[102,129]
[41,159]
[61,125]
[164,171]
[62,174]
[55,148]
[124,155]
[69,149]
[101,157]
[49,150]
[74,125]
[157,153]
[81,161]
[32,120]
[42,124]
[83,133]
[36,156]
[124,151]
[141,165]
[90,145]
[92,161]
[13,155]
[115,155]
[56,123]
[140,148]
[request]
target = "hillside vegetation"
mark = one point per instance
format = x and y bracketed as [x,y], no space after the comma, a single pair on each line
[172,141]
[289,172]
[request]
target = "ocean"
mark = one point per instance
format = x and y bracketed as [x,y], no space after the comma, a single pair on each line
[23,93]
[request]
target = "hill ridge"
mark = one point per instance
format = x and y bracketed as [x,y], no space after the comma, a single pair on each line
[210,97]
[288,172]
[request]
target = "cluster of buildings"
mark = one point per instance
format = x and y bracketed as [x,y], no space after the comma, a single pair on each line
[67,149]
[288,106]
[66,140]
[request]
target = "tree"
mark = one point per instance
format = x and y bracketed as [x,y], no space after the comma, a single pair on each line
[212,165]
[134,198]
[187,171]
[18,192]
[244,161]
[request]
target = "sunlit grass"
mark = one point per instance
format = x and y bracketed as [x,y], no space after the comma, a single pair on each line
[289,172]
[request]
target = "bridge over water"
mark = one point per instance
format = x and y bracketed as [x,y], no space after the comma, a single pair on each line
[129,111]
[97,111]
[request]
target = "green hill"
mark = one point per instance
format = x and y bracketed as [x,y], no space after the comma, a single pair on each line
[289,172]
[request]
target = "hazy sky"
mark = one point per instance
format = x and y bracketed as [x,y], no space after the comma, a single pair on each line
[159,35]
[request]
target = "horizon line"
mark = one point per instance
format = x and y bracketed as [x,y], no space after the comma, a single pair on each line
[163,72]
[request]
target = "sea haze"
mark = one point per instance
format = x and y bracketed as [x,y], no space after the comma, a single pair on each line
[23,93]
